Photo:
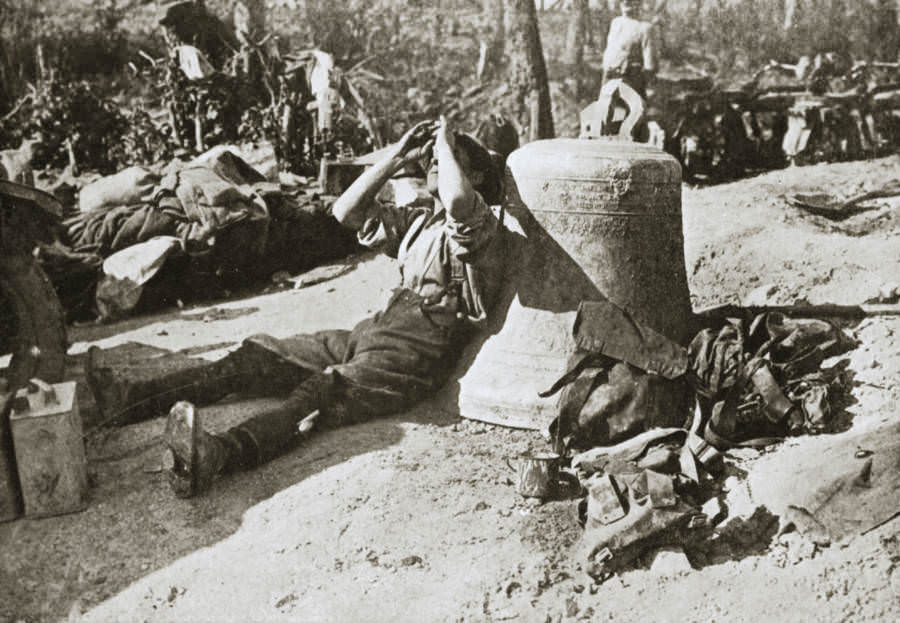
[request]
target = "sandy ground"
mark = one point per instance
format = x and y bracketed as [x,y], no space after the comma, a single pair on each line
[416,518]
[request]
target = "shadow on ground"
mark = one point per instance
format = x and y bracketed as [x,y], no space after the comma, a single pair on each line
[133,525]
[210,309]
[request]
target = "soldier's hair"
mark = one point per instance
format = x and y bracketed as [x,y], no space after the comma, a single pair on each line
[480,159]
[498,134]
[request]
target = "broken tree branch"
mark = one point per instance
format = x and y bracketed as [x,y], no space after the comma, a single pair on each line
[17,107]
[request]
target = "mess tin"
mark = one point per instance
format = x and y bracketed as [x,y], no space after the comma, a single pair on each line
[538,474]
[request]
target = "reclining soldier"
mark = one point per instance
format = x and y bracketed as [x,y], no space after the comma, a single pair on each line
[451,251]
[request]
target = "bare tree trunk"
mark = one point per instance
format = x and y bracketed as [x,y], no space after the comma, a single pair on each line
[589,25]
[790,13]
[498,19]
[198,128]
[493,42]
[527,70]
[40,64]
[575,37]
[886,30]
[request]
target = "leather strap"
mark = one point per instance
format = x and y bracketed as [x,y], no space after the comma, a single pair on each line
[601,362]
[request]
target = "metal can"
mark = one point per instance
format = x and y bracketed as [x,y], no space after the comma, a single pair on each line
[49,449]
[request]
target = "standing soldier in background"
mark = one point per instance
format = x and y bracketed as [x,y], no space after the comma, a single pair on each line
[631,49]
[629,62]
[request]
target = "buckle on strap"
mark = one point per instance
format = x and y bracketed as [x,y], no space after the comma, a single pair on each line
[705,453]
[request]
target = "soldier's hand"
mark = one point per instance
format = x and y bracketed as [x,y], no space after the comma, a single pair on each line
[415,138]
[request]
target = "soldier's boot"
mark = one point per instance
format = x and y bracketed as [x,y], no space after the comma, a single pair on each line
[194,457]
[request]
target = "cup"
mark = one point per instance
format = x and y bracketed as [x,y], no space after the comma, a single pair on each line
[538,474]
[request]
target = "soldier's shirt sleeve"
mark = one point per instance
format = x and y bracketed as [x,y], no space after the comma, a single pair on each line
[386,224]
[612,42]
[468,237]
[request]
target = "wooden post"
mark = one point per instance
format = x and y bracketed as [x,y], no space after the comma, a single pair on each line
[527,71]
[576,34]
[534,117]
[70,150]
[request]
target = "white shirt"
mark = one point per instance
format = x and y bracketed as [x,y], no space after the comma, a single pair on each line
[425,239]
[630,41]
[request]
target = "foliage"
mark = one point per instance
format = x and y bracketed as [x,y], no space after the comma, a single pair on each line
[398,75]
[407,61]
[217,101]
[144,140]
[63,113]
[734,38]
[83,41]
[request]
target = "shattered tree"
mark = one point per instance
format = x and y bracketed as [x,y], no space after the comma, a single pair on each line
[577,32]
[527,70]
[493,42]
[249,20]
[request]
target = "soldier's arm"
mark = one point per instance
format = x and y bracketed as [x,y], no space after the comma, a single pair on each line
[350,209]
[454,188]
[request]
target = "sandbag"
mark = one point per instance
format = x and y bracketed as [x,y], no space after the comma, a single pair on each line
[127,187]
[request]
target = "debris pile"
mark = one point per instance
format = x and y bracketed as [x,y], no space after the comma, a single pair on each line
[652,475]
[821,111]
